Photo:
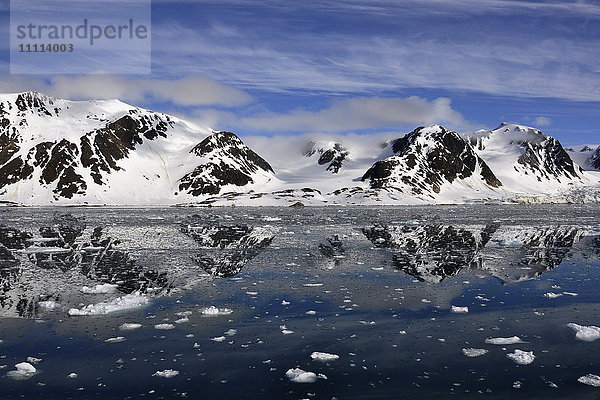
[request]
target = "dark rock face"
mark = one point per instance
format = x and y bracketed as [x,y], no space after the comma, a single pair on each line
[333,157]
[425,159]
[225,160]
[595,159]
[548,160]
[226,249]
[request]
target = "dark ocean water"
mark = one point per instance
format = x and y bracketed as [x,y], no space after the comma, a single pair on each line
[374,286]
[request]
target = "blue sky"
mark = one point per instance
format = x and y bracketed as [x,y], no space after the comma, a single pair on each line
[356,66]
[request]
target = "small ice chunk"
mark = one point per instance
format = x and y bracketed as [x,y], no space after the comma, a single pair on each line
[115,339]
[287,331]
[251,293]
[311,312]
[214,311]
[23,371]
[585,333]
[182,320]
[590,379]
[231,332]
[167,373]
[72,375]
[570,294]
[459,310]
[164,327]
[34,360]
[119,304]
[521,357]
[218,339]
[100,289]
[298,375]
[324,357]
[470,352]
[551,295]
[129,326]
[503,341]
[312,284]
[285,303]
[48,305]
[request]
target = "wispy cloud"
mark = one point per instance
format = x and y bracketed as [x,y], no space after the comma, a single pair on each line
[356,114]
[189,91]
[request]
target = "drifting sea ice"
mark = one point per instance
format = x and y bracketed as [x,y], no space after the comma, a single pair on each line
[164,327]
[129,326]
[324,357]
[521,357]
[551,295]
[167,373]
[503,341]
[23,371]
[126,302]
[72,375]
[298,375]
[470,352]
[100,289]
[590,379]
[33,360]
[459,310]
[585,333]
[48,305]
[117,339]
[214,311]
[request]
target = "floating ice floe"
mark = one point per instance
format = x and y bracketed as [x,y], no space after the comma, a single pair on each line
[218,339]
[167,373]
[126,302]
[459,310]
[129,326]
[33,360]
[100,289]
[23,371]
[521,357]
[585,333]
[48,305]
[551,295]
[312,284]
[285,330]
[285,303]
[115,339]
[214,311]
[72,375]
[298,375]
[503,341]
[570,294]
[164,327]
[231,332]
[590,379]
[470,352]
[182,320]
[324,357]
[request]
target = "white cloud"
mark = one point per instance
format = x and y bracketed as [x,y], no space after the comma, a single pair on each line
[189,91]
[360,113]
[543,121]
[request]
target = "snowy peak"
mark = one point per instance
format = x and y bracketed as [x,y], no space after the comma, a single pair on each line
[525,158]
[332,154]
[224,160]
[427,159]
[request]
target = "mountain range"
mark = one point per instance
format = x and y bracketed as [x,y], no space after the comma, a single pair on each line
[62,152]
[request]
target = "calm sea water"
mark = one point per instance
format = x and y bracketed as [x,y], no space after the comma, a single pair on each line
[374,286]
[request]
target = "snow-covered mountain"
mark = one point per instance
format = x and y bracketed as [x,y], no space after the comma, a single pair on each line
[525,159]
[586,156]
[428,159]
[55,151]
[108,152]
